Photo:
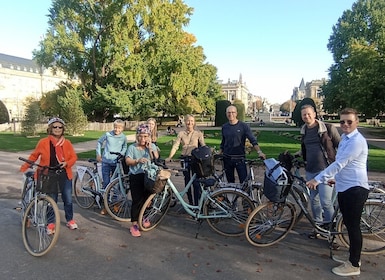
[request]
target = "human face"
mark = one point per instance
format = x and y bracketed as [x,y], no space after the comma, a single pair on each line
[231,113]
[118,129]
[348,123]
[151,125]
[190,122]
[143,139]
[308,116]
[57,129]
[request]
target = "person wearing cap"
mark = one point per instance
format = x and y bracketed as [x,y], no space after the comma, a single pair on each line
[52,151]
[137,156]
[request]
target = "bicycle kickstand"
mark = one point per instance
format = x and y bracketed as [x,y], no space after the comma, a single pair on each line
[200,221]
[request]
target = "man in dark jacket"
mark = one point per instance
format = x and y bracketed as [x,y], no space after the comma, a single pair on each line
[318,148]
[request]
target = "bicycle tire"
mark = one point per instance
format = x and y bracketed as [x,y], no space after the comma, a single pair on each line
[85,189]
[269,223]
[154,209]
[117,199]
[372,228]
[34,228]
[236,203]
[27,195]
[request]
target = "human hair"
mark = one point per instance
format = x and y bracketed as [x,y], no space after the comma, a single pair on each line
[307,106]
[348,111]
[154,132]
[119,122]
[232,106]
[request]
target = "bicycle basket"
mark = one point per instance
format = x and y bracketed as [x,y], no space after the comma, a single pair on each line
[202,161]
[155,179]
[276,182]
[48,181]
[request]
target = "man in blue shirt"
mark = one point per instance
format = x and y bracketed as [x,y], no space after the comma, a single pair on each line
[349,173]
[234,134]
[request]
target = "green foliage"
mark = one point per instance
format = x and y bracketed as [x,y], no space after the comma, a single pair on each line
[72,112]
[220,112]
[133,58]
[240,109]
[4,116]
[358,47]
[33,115]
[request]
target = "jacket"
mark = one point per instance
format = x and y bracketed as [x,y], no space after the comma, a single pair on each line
[42,151]
[329,140]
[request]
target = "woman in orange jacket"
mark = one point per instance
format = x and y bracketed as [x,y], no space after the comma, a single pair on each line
[52,151]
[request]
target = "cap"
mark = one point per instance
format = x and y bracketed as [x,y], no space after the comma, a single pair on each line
[143,128]
[53,120]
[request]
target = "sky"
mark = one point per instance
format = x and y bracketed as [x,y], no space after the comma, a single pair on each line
[273,44]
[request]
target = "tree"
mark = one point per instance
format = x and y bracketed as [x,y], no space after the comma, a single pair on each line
[358,47]
[288,106]
[33,115]
[4,116]
[132,50]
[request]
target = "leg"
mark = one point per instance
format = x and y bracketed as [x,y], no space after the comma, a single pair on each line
[326,194]
[187,177]
[66,192]
[351,204]
[229,169]
[315,200]
[240,165]
[107,170]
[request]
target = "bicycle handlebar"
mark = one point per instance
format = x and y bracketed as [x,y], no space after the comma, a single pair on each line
[32,163]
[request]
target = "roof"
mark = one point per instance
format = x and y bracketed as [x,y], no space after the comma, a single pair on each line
[17,63]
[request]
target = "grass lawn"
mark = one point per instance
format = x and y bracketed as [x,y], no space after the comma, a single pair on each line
[272,144]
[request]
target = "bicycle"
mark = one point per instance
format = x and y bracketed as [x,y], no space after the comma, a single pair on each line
[225,209]
[269,223]
[38,210]
[115,197]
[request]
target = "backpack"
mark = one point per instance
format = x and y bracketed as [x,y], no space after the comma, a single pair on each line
[202,161]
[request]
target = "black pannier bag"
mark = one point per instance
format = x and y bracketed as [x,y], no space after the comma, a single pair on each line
[202,161]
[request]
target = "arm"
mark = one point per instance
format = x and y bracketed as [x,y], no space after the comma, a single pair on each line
[175,147]
[99,146]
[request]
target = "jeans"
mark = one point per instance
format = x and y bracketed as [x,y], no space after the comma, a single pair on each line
[65,187]
[107,171]
[238,164]
[321,200]
[351,204]
[196,189]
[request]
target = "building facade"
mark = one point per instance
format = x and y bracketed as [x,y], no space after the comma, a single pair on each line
[310,90]
[21,78]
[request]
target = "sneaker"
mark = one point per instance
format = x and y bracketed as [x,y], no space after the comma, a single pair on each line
[342,259]
[103,211]
[72,224]
[134,230]
[346,269]
[146,223]
[50,228]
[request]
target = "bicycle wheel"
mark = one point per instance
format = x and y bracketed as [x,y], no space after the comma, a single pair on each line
[269,223]
[39,213]
[27,194]
[154,209]
[372,228]
[235,204]
[85,189]
[117,199]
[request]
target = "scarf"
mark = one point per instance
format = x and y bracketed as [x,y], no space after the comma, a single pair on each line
[58,144]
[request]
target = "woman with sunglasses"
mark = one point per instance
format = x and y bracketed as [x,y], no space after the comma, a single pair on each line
[349,174]
[52,151]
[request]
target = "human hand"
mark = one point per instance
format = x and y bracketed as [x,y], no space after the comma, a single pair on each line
[312,184]
[99,158]
[331,182]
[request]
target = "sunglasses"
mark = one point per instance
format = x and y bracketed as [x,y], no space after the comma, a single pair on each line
[349,122]
[58,127]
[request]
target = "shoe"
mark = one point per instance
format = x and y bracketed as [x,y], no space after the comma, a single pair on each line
[313,235]
[72,224]
[134,230]
[346,269]
[342,260]
[103,211]
[146,223]
[50,228]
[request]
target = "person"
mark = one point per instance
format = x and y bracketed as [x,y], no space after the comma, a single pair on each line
[52,151]
[112,141]
[137,157]
[171,131]
[349,174]
[319,144]
[190,138]
[234,134]
[153,128]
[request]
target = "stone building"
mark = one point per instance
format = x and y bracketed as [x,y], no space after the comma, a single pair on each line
[21,78]
[310,90]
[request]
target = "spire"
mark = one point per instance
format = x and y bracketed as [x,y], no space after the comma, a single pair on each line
[302,85]
[240,78]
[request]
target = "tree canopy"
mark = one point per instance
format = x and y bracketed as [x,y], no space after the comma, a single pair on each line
[357,74]
[132,57]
